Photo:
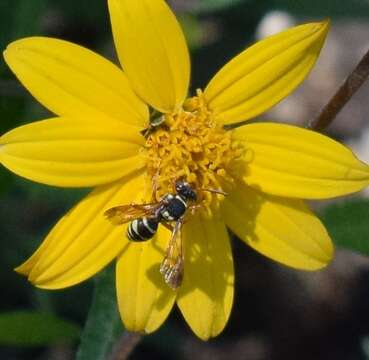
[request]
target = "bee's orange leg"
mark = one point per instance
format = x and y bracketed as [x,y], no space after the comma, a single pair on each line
[168,226]
[193,208]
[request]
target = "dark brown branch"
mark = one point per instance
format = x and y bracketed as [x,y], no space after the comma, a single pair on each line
[125,345]
[343,95]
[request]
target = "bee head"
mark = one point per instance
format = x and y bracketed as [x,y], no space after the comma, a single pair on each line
[185,190]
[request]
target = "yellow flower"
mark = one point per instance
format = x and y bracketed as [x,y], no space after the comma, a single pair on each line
[96,141]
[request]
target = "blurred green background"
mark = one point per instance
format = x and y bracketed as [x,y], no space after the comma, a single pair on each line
[278,313]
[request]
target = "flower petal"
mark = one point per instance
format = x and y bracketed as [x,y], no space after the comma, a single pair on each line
[152,50]
[284,230]
[71,80]
[144,299]
[206,295]
[290,161]
[265,73]
[83,241]
[72,151]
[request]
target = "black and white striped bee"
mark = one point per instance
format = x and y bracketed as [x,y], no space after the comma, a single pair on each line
[144,220]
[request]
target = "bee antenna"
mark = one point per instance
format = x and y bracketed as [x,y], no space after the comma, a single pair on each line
[215,191]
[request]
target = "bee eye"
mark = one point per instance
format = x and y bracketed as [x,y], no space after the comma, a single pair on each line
[180,185]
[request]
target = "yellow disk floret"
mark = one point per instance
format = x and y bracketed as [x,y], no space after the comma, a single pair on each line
[191,146]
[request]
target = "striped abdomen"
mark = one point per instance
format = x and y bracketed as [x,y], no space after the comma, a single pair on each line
[142,229]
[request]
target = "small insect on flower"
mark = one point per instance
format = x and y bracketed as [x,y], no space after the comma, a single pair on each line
[145,218]
[157,119]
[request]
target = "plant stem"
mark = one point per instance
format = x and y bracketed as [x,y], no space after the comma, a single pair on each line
[342,96]
[99,332]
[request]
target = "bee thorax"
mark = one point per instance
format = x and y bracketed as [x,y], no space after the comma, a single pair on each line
[174,209]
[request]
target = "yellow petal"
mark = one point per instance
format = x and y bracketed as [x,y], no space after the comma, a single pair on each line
[152,50]
[206,295]
[265,73]
[71,80]
[144,299]
[72,151]
[284,230]
[83,241]
[290,161]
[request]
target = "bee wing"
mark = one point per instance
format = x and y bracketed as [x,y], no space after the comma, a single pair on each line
[176,234]
[172,266]
[119,215]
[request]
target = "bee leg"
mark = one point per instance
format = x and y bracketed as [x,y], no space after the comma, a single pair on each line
[193,208]
[215,191]
[146,132]
[168,226]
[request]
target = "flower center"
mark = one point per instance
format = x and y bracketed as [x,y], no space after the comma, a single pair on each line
[190,146]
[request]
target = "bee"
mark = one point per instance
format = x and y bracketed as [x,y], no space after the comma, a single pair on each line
[144,220]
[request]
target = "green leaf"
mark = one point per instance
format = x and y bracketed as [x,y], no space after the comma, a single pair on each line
[26,328]
[103,322]
[348,224]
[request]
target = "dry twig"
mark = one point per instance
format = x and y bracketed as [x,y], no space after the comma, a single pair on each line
[342,96]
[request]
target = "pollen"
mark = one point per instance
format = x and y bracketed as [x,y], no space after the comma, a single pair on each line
[191,146]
